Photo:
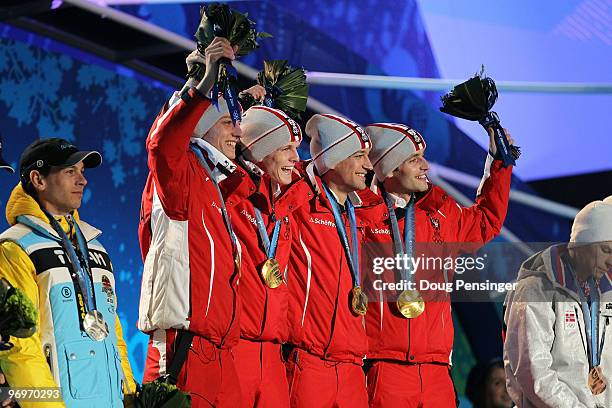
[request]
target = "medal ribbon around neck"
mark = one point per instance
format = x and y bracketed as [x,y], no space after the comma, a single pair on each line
[351,251]
[270,244]
[410,302]
[590,315]
[83,276]
[407,246]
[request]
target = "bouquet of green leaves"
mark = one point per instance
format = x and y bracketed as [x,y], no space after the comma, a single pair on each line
[161,394]
[18,316]
[218,20]
[286,88]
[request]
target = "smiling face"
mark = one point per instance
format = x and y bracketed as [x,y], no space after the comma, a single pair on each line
[410,177]
[279,164]
[350,174]
[592,259]
[61,191]
[224,135]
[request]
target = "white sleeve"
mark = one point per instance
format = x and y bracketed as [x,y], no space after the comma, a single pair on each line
[486,173]
[174,99]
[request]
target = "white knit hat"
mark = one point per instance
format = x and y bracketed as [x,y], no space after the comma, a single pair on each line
[266,129]
[211,115]
[593,223]
[333,139]
[392,145]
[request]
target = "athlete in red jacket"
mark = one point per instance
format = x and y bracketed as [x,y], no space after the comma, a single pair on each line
[326,307]
[192,257]
[264,224]
[411,357]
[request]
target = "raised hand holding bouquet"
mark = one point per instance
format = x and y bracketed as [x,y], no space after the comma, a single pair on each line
[218,20]
[18,316]
[473,100]
[285,86]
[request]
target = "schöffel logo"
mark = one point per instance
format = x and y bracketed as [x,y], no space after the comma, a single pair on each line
[249,217]
[322,222]
[380,231]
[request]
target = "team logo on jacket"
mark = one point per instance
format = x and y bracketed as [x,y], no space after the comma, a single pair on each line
[570,319]
[380,231]
[107,288]
[249,217]
[322,222]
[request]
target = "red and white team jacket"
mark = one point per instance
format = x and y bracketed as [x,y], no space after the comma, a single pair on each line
[189,279]
[438,219]
[320,283]
[264,310]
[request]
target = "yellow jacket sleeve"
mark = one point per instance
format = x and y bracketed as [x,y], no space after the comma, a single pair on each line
[130,386]
[25,365]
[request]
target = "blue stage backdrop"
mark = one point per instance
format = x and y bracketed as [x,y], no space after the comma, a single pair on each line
[49,90]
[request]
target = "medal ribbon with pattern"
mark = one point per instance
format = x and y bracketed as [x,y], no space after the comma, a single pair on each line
[409,303]
[590,315]
[359,301]
[269,244]
[270,270]
[92,322]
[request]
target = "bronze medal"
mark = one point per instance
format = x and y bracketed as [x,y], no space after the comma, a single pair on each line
[95,326]
[359,301]
[410,304]
[597,382]
[271,274]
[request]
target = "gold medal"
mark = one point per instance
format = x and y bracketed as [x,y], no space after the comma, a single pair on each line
[271,274]
[410,304]
[95,326]
[359,301]
[597,382]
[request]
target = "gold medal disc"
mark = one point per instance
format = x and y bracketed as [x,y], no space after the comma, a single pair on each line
[359,301]
[597,382]
[271,274]
[410,304]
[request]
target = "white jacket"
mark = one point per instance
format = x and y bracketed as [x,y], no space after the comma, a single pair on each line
[545,352]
